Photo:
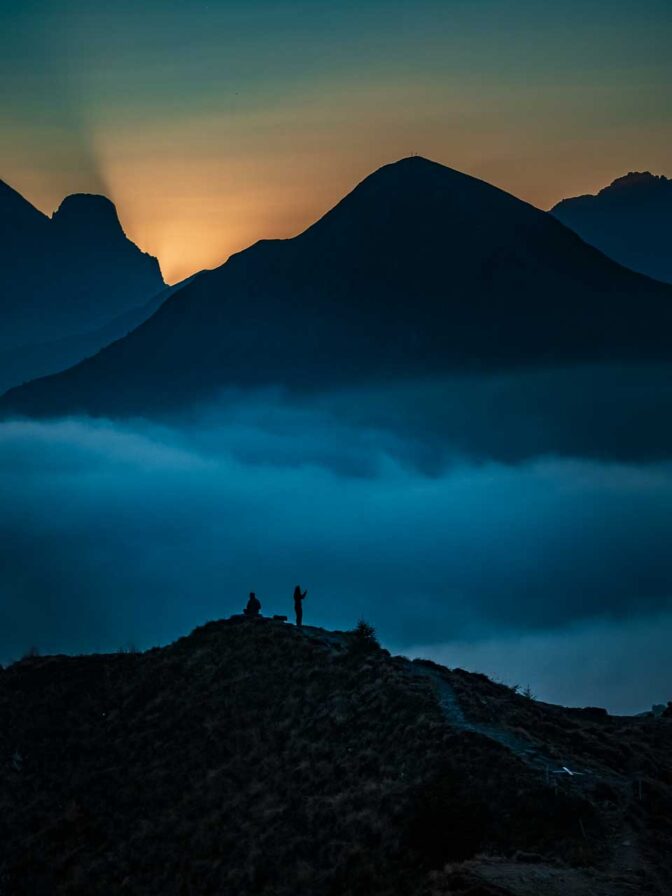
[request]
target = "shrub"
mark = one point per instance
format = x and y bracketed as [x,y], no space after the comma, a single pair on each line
[362,639]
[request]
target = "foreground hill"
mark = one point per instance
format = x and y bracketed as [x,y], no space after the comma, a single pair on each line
[68,274]
[255,758]
[630,221]
[419,270]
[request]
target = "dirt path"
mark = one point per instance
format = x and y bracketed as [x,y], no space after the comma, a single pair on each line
[525,880]
[453,712]
[626,859]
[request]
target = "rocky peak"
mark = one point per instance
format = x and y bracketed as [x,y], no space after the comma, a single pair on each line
[88,214]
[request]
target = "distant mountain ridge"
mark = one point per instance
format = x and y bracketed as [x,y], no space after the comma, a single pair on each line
[419,270]
[630,221]
[67,274]
[28,362]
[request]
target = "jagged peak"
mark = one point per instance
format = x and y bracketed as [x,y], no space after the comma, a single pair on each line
[633,184]
[636,178]
[87,210]
[637,182]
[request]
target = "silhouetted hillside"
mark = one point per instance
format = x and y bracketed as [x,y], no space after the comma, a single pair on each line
[630,221]
[255,758]
[419,270]
[20,365]
[68,274]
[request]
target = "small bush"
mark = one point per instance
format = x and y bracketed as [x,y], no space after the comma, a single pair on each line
[128,648]
[362,639]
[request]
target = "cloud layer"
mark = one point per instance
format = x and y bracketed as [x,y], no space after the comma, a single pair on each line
[134,533]
[622,664]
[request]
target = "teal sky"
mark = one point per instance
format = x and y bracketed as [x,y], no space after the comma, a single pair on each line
[215,124]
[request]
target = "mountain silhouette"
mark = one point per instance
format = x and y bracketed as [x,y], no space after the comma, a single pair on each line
[256,758]
[418,271]
[20,365]
[630,221]
[68,274]
[18,218]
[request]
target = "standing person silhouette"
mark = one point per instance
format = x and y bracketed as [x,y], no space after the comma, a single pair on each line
[299,597]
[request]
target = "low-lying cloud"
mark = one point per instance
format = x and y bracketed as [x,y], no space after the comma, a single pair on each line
[622,664]
[119,533]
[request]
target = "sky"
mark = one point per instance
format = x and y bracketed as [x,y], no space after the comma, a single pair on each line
[213,125]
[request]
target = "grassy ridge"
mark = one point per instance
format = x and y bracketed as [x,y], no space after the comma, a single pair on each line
[257,759]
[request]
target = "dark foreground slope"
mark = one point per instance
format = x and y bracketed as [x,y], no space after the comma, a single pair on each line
[630,221]
[257,759]
[420,270]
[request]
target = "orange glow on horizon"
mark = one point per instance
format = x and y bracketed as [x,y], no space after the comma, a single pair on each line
[192,193]
[214,125]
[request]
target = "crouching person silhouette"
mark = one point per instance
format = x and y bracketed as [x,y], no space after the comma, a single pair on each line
[299,597]
[253,607]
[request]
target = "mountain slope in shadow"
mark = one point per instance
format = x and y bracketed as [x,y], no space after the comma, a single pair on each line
[420,270]
[630,221]
[68,274]
[253,757]
[20,365]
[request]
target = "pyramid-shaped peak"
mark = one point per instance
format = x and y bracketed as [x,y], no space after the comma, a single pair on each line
[414,169]
[427,181]
[413,162]
[414,195]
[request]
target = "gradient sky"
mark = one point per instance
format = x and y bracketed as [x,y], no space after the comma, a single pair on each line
[212,125]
